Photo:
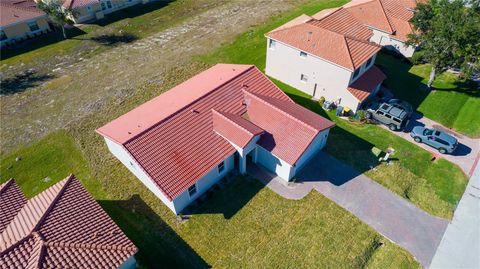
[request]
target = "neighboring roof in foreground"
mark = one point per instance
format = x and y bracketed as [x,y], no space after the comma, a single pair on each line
[62,227]
[176,141]
[14,11]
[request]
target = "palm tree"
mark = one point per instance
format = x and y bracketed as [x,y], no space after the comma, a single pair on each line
[58,14]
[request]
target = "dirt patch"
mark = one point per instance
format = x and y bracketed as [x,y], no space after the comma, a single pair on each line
[121,71]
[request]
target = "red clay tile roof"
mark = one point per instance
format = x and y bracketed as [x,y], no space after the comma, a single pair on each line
[78,3]
[63,227]
[11,202]
[365,84]
[346,51]
[180,145]
[391,16]
[341,21]
[235,128]
[18,11]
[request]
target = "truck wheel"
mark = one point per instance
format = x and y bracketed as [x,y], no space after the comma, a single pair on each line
[442,150]
[417,139]
[392,127]
[368,115]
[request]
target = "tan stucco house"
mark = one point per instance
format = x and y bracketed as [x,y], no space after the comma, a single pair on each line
[21,20]
[91,10]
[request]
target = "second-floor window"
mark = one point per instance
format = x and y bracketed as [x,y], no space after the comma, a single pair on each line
[192,190]
[33,26]
[272,44]
[221,167]
[369,62]
[303,54]
[3,36]
[304,78]
[355,74]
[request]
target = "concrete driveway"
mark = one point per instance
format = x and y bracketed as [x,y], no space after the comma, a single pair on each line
[466,155]
[389,214]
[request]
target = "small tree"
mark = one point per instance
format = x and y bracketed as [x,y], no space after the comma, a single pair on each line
[449,35]
[58,14]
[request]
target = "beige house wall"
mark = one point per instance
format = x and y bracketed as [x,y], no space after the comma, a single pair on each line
[21,30]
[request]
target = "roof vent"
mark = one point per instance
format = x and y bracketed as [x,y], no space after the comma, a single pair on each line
[309,36]
[195,111]
[245,86]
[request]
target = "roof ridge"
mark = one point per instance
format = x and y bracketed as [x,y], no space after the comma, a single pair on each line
[9,235]
[281,110]
[386,16]
[233,122]
[76,245]
[330,14]
[349,53]
[187,105]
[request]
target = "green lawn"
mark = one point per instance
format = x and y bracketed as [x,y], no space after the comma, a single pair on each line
[242,225]
[454,103]
[124,26]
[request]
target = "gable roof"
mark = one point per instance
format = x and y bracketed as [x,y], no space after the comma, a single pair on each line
[390,16]
[181,145]
[235,128]
[364,85]
[330,41]
[71,4]
[14,11]
[11,201]
[63,227]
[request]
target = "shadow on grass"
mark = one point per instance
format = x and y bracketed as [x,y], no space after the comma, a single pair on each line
[40,41]
[114,39]
[159,245]
[227,197]
[132,12]
[23,81]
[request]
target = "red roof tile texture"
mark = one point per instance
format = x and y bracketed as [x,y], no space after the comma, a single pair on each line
[63,227]
[11,202]
[18,11]
[366,84]
[336,46]
[341,21]
[182,146]
[234,128]
[78,3]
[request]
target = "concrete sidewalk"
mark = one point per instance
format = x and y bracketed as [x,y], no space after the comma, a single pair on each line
[466,155]
[389,214]
[460,246]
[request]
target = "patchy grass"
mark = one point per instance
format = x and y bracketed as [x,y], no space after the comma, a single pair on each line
[454,102]
[436,187]
[243,225]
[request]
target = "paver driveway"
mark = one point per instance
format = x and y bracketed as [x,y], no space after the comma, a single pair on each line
[465,156]
[386,212]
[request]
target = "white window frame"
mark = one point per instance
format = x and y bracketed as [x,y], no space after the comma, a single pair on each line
[30,27]
[303,78]
[221,167]
[272,44]
[192,190]
[356,73]
[303,54]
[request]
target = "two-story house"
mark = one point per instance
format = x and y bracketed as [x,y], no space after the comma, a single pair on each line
[91,10]
[328,54]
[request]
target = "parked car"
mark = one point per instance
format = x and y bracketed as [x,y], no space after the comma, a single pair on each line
[441,141]
[402,104]
[393,116]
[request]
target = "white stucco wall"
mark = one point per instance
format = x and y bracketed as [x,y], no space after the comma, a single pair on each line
[274,164]
[317,144]
[123,156]
[203,184]
[285,64]
[386,41]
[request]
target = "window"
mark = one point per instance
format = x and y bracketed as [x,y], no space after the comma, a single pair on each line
[355,74]
[397,120]
[272,44]
[109,4]
[89,8]
[33,26]
[441,141]
[221,167]
[388,116]
[192,190]
[303,54]
[380,113]
[3,36]
[304,78]
[369,62]
[103,6]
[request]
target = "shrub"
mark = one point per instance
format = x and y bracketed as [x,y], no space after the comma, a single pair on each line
[321,100]
[417,57]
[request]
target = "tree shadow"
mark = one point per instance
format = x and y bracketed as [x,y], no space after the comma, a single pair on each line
[159,245]
[38,42]
[131,12]
[114,39]
[226,197]
[23,81]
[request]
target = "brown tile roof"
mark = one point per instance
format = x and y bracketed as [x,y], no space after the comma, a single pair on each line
[18,11]
[365,84]
[11,202]
[336,47]
[78,3]
[63,227]
[181,146]
[391,16]
[235,128]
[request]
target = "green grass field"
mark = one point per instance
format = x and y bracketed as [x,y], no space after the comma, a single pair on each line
[454,103]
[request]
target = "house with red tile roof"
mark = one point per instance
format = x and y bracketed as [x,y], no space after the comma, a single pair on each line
[62,227]
[21,20]
[91,10]
[327,55]
[182,142]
